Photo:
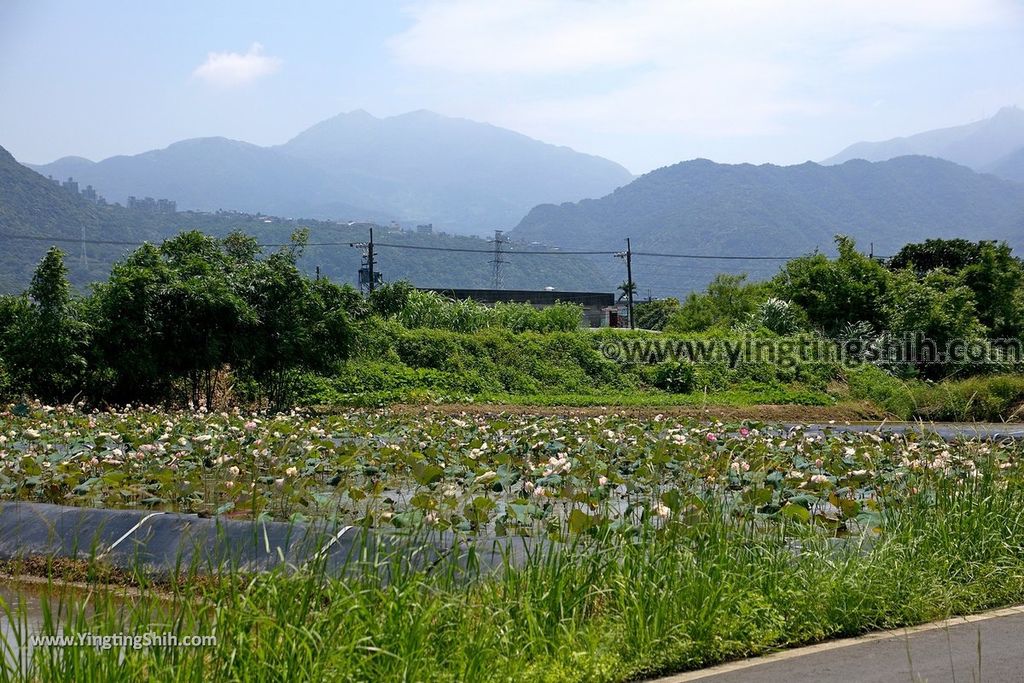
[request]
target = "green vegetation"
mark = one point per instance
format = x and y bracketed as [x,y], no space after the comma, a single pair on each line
[767,210]
[33,207]
[217,322]
[992,398]
[681,545]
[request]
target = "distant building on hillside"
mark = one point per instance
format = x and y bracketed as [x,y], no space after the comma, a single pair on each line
[71,185]
[427,229]
[595,304]
[150,205]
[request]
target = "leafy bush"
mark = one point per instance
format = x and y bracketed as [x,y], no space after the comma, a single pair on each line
[728,301]
[654,315]
[776,315]
[674,377]
[836,292]
[431,310]
[561,317]
[713,376]
[6,385]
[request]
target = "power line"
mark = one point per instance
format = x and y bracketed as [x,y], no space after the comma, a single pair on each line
[75,240]
[558,252]
[716,258]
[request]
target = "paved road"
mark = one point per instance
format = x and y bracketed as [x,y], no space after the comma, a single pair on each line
[947,652]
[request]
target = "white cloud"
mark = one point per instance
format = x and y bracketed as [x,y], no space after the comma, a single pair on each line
[705,68]
[228,69]
[567,36]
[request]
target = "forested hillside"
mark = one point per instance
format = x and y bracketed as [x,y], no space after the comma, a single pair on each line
[33,207]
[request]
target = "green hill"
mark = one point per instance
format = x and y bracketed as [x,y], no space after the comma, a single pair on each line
[701,207]
[32,206]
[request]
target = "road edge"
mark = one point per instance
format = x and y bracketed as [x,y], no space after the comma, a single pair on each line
[752,662]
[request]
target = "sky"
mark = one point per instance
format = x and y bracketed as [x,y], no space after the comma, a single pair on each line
[642,82]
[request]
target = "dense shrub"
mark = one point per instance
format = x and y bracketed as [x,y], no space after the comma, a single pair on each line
[728,301]
[675,377]
[431,310]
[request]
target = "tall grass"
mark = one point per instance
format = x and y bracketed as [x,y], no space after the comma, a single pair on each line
[986,398]
[684,593]
[432,310]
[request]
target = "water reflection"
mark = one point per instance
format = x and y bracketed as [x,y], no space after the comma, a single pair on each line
[21,614]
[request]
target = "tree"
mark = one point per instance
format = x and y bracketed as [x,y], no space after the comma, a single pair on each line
[938,308]
[301,326]
[952,255]
[14,310]
[988,268]
[131,347]
[389,299]
[654,315]
[203,316]
[835,293]
[46,337]
[171,316]
[728,301]
[997,280]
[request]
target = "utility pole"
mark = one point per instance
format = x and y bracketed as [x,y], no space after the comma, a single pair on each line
[367,273]
[371,261]
[497,261]
[628,255]
[629,282]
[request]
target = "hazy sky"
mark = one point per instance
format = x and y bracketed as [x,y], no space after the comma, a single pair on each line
[643,82]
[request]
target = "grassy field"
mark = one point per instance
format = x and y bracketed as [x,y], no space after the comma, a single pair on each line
[680,544]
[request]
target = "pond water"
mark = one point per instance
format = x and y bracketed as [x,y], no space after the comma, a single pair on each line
[21,613]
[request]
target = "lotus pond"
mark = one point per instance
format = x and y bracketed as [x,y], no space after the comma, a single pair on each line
[494,474]
[685,543]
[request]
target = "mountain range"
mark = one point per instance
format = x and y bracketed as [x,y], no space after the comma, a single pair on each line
[422,164]
[700,207]
[36,213]
[994,145]
[421,167]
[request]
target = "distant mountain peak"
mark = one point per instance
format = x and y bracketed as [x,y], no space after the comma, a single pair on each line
[979,145]
[418,167]
[422,114]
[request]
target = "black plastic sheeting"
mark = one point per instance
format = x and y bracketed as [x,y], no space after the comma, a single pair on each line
[169,543]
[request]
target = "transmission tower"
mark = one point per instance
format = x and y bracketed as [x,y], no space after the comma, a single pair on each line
[84,257]
[497,261]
